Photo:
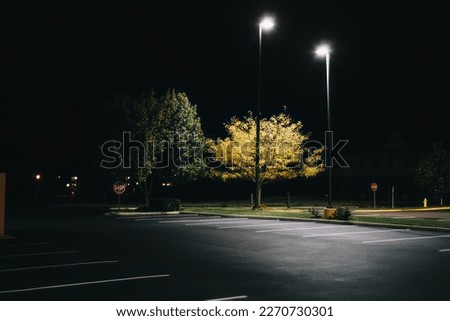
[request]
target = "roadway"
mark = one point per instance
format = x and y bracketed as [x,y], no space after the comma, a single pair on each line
[83,254]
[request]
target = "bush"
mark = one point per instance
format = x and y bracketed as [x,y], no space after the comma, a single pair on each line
[342,213]
[315,212]
[162,205]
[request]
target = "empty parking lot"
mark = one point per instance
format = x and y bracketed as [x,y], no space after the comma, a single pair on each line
[83,254]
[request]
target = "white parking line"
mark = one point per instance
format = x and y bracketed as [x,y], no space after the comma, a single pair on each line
[301,228]
[175,219]
[408,239]
[156,217]
[35,254]
[363,232]
[190,221]
[25,244]
[230,298]
[57,266]
[245,226]
[228,221]
[58,286]
[444,250]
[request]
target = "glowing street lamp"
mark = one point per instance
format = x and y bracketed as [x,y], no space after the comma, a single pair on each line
[266,24]
[324,51]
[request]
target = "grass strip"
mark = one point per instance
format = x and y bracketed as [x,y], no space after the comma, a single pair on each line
[274,212]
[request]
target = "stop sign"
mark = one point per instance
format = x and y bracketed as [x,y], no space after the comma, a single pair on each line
[119,187]
[374,187]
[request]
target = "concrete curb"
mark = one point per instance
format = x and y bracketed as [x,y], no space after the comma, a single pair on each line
[296,219]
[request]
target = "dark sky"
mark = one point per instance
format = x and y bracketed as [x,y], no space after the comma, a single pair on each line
[60,60]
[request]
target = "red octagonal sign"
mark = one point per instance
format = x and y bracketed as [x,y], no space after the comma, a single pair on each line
[119,187]
[374,187]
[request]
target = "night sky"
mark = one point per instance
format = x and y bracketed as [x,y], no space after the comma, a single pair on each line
[60,60]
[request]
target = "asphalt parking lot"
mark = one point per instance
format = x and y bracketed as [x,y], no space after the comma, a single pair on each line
[83,254]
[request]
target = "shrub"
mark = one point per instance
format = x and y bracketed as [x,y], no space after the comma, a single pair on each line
[342,213]
[314,211]
[163,205]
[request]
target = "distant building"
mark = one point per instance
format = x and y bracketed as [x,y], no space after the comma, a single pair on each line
[390,165]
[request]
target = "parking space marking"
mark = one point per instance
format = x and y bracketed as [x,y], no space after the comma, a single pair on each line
[444,250]
[300,228]
[245,226]
[230,298]
[174,219]
[57,266]
[190,221]
[40,253]
[25,244]
[408,239]
[68,285]
[361,232]
[155,217]
[228,221]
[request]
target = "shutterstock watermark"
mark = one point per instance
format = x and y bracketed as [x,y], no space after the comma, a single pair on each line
[333,151]
[182,151]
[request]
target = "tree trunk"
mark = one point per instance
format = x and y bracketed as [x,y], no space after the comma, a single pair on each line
[257,205]
[146,198]
[148,190]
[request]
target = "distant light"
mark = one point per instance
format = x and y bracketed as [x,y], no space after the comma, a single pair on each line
[323,50]
[267,23]
[59,176]
[38,177]
[67,185]
[75,178]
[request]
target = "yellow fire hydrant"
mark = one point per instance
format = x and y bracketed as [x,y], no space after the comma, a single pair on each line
[425,202]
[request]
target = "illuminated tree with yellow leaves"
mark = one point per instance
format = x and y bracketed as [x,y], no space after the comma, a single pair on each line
[282,151]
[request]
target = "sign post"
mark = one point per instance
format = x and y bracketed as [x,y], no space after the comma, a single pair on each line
[2,203]
[393,196]
[119,188]
[374,188]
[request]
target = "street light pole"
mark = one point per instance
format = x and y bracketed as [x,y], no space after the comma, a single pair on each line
[329,147]
[324,51]
[266,23]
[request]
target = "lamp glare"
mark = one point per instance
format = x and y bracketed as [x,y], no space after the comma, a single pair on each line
[267,23]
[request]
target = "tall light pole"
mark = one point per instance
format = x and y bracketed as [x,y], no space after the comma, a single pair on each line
[324,51]
[266,24]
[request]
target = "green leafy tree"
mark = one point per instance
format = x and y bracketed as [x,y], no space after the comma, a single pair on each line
[183,134]
[171,132]
[433,171]
[282,155]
